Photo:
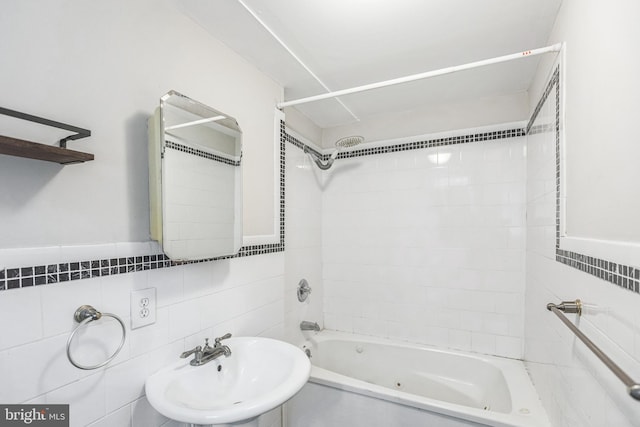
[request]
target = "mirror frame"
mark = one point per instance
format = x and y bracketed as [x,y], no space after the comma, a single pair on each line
[158,145]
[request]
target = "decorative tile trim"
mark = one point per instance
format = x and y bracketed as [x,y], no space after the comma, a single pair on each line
[625,276]
[554,81]
[622,275]
[415,145]
[439,142]
[201,153]
[23,277]
[544,128]
[13,278]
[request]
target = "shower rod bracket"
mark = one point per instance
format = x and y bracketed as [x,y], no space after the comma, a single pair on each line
[633,387]
[567,307]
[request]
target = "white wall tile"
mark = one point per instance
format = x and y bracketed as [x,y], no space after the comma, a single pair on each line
[169,284]
[125,382]
[483,343]
[303,231]
[365,326]
[460,339]
[120,418]
[250,269]
[509,346]
[253,323]
[198,279]
[219,307]
[184,319]
[116,291]
[61,300]
[12,258]
[338,322]
[13,305]
[90,252]
[5,388]
[37,368]
[86,398]
[427,240]
[161,357]
[147,338]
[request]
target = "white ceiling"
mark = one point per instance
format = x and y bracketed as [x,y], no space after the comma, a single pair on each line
[349,43]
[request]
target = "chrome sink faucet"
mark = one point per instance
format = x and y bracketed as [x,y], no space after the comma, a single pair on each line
[206,354]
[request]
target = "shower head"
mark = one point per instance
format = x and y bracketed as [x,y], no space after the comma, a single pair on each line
[346,142]
[349,141]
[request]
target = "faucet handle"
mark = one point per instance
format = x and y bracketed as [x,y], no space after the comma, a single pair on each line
[190,352]
[224,337]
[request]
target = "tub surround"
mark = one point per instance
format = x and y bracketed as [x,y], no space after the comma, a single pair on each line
[303,240]
[423,240]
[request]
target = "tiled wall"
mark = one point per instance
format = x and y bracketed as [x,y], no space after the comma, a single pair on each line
[303,257]
[424,241]
[195,301]
[574,386]
[243,294]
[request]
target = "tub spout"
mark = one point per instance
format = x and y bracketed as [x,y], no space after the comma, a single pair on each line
[309,326]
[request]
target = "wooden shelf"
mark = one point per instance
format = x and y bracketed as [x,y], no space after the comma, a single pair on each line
[34,150]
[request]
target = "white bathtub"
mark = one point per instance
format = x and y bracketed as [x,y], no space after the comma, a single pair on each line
[359,381]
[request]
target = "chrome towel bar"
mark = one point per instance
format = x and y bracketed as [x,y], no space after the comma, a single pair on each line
[633,388]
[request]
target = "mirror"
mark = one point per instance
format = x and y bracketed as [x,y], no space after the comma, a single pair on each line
[195,179]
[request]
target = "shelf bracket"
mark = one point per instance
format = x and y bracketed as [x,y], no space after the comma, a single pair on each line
[28,149]
[79,132]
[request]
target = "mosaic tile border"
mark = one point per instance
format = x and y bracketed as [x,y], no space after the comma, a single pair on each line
[431,143]
[201,153]
[621,275]
[24,277]
[625,276]
[416,145]
[13,278]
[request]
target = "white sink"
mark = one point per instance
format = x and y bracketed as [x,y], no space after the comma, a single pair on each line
[260,375]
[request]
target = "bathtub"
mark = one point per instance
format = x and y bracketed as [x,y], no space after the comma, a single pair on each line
[359,381]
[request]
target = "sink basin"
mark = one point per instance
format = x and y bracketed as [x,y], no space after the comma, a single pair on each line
[260,375]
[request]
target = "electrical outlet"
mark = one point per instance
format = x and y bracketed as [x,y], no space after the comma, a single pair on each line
[143,307]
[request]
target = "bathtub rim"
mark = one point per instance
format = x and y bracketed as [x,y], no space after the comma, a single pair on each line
[521,389]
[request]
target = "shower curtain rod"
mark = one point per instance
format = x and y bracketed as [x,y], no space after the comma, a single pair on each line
[527,53]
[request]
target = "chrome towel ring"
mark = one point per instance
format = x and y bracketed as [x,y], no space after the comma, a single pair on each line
[84,315]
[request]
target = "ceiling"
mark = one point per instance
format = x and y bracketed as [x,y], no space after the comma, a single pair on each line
[348,43]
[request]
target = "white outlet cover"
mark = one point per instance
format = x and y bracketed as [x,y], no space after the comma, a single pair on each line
[143,307]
